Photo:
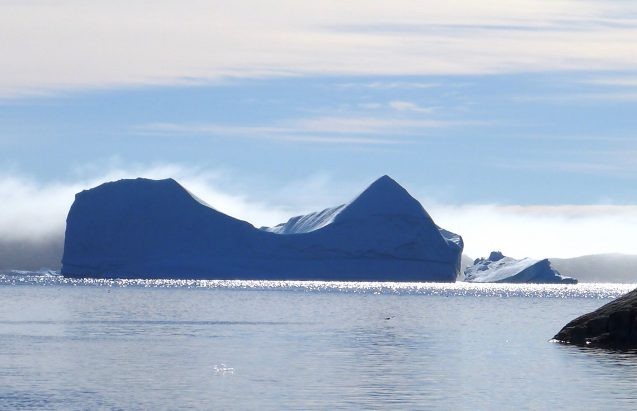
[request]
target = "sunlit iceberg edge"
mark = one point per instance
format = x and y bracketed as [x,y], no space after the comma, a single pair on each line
[582,290]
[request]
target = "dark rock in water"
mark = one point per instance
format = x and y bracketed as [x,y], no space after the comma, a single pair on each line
[612,325]
[156,229]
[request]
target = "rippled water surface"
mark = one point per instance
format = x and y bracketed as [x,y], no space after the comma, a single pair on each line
[78,344]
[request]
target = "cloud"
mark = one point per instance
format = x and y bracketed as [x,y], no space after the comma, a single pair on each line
[409,106]
[369,125]
[304,135]
[390,85]
[358,130]
[615,163]
[33,214]
[618,81]
[541,231]
[580,97]
[70,45]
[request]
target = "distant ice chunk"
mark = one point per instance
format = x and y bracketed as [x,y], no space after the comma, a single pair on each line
[501,269]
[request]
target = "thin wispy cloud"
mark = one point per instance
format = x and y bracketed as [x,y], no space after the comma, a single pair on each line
[579,97]
[83,45]
[256,132]
[621,164]
[618,81]
[317,139]
[409,106]
[390,85]
[369,125]
[361,130]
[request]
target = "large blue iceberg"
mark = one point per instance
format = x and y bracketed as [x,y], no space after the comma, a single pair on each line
[156,229]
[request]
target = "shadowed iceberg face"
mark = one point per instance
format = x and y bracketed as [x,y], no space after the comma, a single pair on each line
[156,229]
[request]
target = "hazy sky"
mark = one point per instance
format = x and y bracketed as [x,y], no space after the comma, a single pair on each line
[514,122]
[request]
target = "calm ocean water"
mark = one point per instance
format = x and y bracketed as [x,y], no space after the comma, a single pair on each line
[78,344]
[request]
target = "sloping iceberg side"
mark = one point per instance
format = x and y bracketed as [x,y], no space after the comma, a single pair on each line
[156,229]
[306,223]
[501,269]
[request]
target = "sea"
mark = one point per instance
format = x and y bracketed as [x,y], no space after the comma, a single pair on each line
[161,344]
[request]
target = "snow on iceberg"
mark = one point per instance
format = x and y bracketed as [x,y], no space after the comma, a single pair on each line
[500,269]
[156,229]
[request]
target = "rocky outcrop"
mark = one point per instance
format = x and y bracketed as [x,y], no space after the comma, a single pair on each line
[612,325]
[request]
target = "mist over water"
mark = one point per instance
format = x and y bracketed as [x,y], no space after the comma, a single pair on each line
[32,221]
[74,344]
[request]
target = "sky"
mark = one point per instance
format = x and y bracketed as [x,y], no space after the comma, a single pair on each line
[513,122]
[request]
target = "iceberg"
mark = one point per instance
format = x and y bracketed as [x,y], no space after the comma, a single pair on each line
[141,228]
[501,269]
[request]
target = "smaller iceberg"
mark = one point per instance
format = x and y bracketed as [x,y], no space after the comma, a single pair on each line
[501,269]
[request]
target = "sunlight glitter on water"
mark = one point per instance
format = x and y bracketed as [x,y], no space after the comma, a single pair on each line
[582,290]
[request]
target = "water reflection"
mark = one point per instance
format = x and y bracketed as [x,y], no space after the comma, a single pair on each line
[582,290]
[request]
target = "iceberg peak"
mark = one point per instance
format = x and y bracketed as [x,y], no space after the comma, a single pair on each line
[385,186]
[384,181]
[383,197]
